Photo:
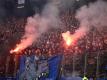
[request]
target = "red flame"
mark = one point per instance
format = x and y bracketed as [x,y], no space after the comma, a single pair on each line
[17,49]
[67,38]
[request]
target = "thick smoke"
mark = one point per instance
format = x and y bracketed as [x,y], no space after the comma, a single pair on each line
[39,24]
[94,15]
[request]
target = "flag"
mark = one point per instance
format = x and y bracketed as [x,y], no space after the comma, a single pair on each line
[22,63]
[54,67]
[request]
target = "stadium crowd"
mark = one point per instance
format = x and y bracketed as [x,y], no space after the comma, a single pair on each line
[51,43]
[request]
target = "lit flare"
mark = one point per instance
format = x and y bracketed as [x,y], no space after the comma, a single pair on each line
[67,38]
[17,49]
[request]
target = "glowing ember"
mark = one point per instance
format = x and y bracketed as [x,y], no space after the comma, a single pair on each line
[67,38]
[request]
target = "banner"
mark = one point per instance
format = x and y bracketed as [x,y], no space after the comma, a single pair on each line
[7,78]
[27,67]
[21,1]
[71,78]
[22,63]
[54,67]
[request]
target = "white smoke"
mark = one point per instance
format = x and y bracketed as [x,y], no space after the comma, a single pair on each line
[39,24]
[93,15]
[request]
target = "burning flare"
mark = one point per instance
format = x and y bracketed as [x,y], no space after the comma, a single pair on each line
[17,49]
[67,38]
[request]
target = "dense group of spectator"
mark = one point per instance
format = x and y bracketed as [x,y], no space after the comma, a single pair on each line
[51,43]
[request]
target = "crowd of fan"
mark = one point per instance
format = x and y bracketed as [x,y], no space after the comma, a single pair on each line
[50,43]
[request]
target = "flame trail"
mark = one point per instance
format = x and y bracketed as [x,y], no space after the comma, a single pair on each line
[16,50]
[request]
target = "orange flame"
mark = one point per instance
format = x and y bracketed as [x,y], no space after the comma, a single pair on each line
[17,49]
[67,38]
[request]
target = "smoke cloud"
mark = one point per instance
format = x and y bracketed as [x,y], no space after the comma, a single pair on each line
[39,24]
[93,15]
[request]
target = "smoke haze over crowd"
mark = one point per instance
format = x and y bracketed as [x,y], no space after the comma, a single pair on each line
[93,15]
[39,24]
